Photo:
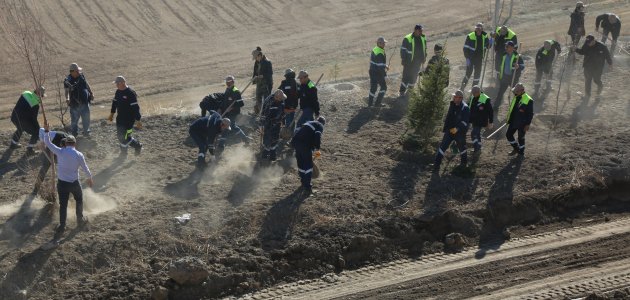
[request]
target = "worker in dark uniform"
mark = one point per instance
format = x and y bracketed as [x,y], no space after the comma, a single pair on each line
[271,119]
[307,142]
[230,108]
[204,131]
[595,54]
[413,53]
[544,63]
[502,35]
[475,47]
[307,94]
[378,72]
[57,139]
[609,23]
[481,115]
[290,88]
[126,103]
[437,56]
[455,127]
[576,27]
[78,97]
[262,77]
[511,66]
[211,103]
[24,117]
[519,117]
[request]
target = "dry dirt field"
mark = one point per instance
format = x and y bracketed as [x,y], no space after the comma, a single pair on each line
[375,203]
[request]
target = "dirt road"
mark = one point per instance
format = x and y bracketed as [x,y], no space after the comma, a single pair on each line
[565,263]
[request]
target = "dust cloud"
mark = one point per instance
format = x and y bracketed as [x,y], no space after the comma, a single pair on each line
[95,204]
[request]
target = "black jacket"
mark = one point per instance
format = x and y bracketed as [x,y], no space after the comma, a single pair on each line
[614,29]
[416,56]
[458,117]
[266,70]
[78,89]
[309,136]
[378,62]
[434,59]
[23,112]
[272,112]
[290,88]
[595,56]
[481,112]
[212,102]
[474,46]
[232,95]
[577,24]
[520,112]
[126,102]
[208,127]
[544,58]
[307,94]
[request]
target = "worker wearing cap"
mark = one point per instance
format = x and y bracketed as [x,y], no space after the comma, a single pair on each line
[595,54]
[204,131]
[126,103]
[413,53]
[576,27]
[610,23]
[211,103]
[230,108]
[378,72]
[262,77]
[475,47]
[519,117]
[69,160]
[511,65]
[24,117]
[502,35]
[544,63]
[455,128]
[307,94]
[438,55]
[307,142]
[290,88]
[273,111]
[481,115]
[78,97]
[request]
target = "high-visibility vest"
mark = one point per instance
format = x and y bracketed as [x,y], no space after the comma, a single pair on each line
[545,52]
[310,84]
[412,41]
[510,34]
[483,98]
[473,37]
[31,98]
[514,58]
[524,100]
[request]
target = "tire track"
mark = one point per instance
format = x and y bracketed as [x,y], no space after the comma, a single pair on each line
[376,277]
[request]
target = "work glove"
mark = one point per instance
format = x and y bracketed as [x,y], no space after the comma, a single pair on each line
[453,130]
[317,154]
[138,125]
[467,62]
[111,117]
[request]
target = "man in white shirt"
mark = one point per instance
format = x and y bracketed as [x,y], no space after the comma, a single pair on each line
[69,160]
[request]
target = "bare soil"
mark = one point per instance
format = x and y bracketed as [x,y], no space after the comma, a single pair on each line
[374,202]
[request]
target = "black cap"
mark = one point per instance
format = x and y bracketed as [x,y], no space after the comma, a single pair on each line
[510,43]
[438,47]
[589,37]
[418,26]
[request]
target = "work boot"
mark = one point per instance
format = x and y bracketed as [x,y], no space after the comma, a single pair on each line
[59,230]
[123,153]
[370,101]
[514,151]
[14,145]
[272,155]
[83,223]
[599,89]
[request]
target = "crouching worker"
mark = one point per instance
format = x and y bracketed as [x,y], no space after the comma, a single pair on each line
[204,131]
[307,142]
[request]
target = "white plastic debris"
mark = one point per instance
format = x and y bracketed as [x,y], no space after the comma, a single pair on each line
[183,219]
